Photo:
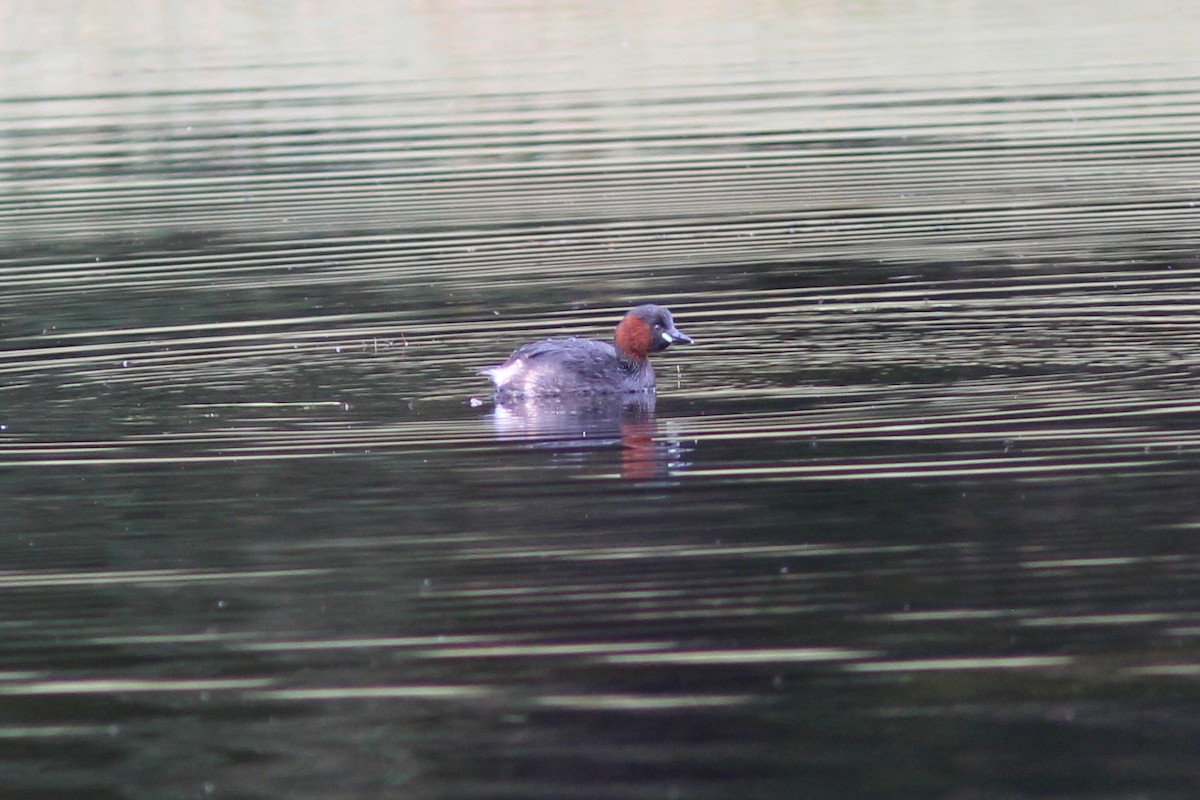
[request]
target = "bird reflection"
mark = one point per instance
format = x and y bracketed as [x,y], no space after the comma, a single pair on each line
[581,429]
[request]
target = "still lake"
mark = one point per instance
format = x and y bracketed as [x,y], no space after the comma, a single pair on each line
[916,515]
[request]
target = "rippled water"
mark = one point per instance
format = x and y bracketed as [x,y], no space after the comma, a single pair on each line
[915,517]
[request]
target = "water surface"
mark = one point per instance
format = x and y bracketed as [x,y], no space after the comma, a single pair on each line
[916,516]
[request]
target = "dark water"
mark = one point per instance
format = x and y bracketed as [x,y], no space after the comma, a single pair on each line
[916,516]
